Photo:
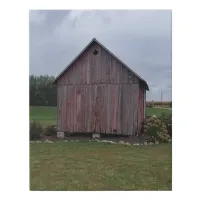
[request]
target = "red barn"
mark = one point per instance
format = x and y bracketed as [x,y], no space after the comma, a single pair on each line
[98,93]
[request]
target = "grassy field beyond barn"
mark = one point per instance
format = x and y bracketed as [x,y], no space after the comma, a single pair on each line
[44,114]
[157,111]
[97,166]
[47,115]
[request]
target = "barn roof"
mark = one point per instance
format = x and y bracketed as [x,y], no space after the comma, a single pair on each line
[92,41]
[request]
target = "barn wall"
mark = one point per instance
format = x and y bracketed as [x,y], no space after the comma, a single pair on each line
[91,69]
[104,108]
[98,94]
[141,106]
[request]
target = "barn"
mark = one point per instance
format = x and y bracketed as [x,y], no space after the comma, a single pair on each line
[98,93]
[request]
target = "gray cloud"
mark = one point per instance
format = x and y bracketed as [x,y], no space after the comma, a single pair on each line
[142,39]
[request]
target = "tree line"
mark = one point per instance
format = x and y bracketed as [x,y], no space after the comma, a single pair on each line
[42,91]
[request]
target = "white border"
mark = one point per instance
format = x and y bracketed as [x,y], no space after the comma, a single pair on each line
[15,109]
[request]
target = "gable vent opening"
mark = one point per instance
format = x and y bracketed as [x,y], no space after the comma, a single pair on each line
[95,52]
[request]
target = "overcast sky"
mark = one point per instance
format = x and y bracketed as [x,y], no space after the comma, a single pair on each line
[141,39]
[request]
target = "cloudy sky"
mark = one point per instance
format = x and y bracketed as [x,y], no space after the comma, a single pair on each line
[140,38]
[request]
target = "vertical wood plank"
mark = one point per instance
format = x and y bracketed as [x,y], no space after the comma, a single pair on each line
[64,108]
[131,109]
[82,109]
[125,109]
[69,108]
[122,110]
[89,108]
[111,107]
[118,110]
[95,108]
[75,110]
[85,108]
[106,107]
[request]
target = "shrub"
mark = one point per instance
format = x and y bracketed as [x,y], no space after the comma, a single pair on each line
[155,130]
[170,104]
[150,105]
[50,130]
[36,130]
[167,120]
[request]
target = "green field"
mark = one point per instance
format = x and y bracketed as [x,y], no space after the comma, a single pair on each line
[98,166]
[47,115]
[157,111]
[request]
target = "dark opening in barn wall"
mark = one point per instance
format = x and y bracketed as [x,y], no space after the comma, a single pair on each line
[95,52]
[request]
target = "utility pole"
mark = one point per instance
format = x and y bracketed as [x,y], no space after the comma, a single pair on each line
[161,97]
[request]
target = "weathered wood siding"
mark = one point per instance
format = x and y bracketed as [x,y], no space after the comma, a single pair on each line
[141,106]
[104,108]
[102,68]
[98,94]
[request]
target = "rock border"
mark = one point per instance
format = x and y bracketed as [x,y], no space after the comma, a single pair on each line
[101,141]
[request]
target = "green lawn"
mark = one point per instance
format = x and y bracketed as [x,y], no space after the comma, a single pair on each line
[157,111]
[97,166]
[47,115]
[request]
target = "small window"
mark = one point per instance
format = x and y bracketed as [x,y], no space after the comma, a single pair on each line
[95,52]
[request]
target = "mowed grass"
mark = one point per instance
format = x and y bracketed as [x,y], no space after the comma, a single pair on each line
[98,166]
[157,111]
[47,115]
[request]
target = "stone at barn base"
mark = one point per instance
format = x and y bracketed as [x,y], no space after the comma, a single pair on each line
[111,142]
[48,141]
[150,143]
[108,141]
[104,141]
[96,135]
[60,135]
